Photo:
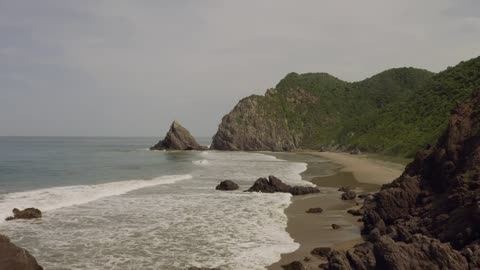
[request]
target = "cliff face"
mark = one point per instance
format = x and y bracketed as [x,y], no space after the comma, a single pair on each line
[309,111]
[254,125]
[428,218]
[395,112]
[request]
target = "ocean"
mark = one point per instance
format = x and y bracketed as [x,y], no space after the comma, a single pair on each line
[110,203]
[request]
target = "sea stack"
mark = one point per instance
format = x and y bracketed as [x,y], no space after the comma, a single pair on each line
[178,138]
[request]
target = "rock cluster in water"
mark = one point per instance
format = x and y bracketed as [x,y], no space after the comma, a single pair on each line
[178,138]
[428,218]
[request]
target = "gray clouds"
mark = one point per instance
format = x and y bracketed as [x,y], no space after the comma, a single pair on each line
[131,67]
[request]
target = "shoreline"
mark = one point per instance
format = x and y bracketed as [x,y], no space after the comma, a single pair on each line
[329,171]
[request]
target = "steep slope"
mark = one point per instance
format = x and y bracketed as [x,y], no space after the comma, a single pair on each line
[395,112]
[311,110]
[402,128]
[428,218]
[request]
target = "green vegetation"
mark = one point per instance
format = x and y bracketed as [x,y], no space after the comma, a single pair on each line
[395,112]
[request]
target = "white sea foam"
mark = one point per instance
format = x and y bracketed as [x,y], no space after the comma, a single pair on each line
[171,227]
[201,162]
[58,197]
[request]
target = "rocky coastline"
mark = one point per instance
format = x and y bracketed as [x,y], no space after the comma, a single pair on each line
[428,218]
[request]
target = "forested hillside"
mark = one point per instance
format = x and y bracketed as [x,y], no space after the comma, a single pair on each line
[394,112]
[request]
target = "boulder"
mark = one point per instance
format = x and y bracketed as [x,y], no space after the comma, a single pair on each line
[227,185]
[336,226]
[356,212]
[349,195]
[273,184]
[13,257]
[28,213]
[178,138]
[301,190]
[321,251]
[270,185]
[296,265]
[422,253]
[316,210]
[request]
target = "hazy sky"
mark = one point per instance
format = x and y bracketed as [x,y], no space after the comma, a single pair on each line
[131,67]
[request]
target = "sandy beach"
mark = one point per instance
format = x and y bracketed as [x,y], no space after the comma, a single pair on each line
[330,171]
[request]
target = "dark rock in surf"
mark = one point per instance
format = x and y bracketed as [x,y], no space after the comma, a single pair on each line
[13,257]
[227,185]
[178,138]
[28,213]
[273,184]
[270,185]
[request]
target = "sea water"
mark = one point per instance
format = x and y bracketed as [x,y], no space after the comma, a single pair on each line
[109,203]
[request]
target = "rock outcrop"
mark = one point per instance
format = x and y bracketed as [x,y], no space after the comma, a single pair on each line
[227,185]
[178,138]
[296,265]
[349,195]
[273,184]
[252,127]
[15,258]
[28,213]
[428,218]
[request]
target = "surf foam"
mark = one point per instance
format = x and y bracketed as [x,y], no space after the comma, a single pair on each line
[58,197]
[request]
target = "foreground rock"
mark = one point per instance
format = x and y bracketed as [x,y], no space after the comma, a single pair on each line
[296,265]
[15,258]
[428,218]
[178,138]
[28,213]
[356,212]
[273,184]
[227,185]
[349,195]
[321,251]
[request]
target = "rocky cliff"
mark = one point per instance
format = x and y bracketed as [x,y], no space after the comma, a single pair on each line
[178,138]
[428,218]
[395,112]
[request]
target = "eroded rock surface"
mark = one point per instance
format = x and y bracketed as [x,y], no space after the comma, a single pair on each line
[178,138]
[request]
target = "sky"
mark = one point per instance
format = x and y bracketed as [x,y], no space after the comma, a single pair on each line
[129,68]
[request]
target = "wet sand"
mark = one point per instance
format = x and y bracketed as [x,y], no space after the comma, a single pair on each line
[329,172]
